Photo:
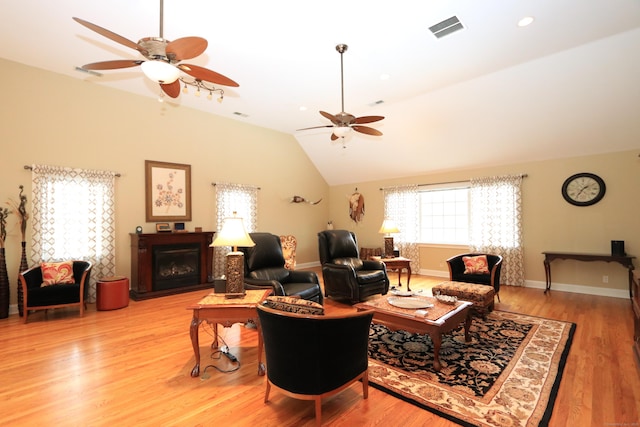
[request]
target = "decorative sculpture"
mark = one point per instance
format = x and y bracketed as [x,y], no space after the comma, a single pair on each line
[299,199]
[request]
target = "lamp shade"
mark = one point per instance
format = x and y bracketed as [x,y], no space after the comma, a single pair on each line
[388,226]
[160,71]
[233,234]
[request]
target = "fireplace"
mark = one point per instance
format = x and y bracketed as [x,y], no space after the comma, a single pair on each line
[170,263]
[175,266]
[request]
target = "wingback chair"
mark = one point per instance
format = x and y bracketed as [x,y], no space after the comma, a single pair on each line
[314,356]
[40,296]
[264,267]
[492,278]
[345,274]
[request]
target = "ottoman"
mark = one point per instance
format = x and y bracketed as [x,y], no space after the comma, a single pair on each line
[112,293]
[480,295]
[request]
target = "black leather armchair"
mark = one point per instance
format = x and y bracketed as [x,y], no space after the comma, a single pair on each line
[264,268]
[345,274]
[38,297]
[457,274]
[314,356]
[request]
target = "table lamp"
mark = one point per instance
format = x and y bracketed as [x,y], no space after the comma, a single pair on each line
[234,234]
[388,227]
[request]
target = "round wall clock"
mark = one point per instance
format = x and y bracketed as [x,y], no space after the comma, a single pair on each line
[583,189]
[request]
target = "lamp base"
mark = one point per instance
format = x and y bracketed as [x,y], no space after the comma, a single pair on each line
[388,247]
[235,273]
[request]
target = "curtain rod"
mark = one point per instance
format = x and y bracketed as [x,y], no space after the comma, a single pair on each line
[522,175]
[243,185]
[27,167]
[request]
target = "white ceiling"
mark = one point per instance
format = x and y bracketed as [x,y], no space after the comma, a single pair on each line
[491,94]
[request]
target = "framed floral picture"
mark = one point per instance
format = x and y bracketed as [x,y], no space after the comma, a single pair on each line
[168,191]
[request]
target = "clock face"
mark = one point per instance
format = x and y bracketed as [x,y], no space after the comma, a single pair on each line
[583,189]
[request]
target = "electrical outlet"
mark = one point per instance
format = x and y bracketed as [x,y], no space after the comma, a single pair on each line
[605,279]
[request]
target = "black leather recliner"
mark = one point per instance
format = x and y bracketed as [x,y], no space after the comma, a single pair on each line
[264,268]
[345,274]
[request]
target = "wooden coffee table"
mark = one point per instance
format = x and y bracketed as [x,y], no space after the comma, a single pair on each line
[440,319]
[215,309]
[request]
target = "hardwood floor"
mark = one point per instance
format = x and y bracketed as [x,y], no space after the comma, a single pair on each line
[132,367]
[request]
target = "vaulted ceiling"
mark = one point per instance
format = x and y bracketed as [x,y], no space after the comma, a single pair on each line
[492,93]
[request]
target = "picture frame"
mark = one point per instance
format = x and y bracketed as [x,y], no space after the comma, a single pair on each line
[167,191]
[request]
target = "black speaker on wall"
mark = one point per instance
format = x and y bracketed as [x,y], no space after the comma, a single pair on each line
[617,248]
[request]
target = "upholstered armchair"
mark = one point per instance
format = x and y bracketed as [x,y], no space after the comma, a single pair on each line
[264,268]
[345,274]
[42,292]
[314,356]
[457,270]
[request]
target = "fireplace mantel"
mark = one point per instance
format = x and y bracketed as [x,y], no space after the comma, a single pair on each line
[142,247]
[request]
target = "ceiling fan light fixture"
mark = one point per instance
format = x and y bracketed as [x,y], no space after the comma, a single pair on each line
[341,131]
[160,71]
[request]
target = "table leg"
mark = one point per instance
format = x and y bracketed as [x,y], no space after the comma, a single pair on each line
[436,338]
[408,276]
[467,326]
[193,332]
[547,274]
[630,281]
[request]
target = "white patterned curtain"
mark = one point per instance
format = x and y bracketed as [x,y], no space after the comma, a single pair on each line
[230,198]
[74,218]
[496,223]
[402,205]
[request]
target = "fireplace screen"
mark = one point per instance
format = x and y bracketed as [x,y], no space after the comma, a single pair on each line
[175,266]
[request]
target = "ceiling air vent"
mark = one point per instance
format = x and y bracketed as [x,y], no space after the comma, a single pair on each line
[240,114]
[446,27]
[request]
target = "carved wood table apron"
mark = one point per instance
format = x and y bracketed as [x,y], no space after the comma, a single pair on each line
[624,260]
[397,263]
[216,309]
[441,318]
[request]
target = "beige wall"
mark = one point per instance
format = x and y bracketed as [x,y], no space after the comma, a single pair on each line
[62,121]
[549,222]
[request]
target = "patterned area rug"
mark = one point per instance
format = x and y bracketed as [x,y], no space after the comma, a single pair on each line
[508,375]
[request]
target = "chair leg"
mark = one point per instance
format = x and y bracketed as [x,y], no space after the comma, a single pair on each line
[365,384]
[498,295]
[318,400]
[266,394]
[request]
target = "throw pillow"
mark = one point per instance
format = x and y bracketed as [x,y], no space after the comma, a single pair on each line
[294,305]
[476,264]
[55,273]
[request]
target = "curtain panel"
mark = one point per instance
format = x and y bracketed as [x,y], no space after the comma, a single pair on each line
[73,218]
[495,205]
[230,198]
[402,205]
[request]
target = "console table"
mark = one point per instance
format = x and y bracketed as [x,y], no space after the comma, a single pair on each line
[625,261]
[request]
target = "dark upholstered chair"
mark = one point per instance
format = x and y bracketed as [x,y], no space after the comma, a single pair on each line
[264,268]
[314,356]
[38,297]
[457,274]
[345,274]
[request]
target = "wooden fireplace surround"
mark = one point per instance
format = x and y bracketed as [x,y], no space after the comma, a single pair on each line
[142,262]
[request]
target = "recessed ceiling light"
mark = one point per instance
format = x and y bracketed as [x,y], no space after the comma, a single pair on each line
[384,76]
[303,108]
[525,21]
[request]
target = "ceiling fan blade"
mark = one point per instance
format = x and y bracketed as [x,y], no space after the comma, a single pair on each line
[171,89]
[108,34]
[367,130]
[112,65]
[205,74]
[331,117]
[367,119]
[334,137]
[316,127]
[186,48]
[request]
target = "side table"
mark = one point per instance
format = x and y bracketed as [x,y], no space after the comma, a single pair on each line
[217,309]
[397,263]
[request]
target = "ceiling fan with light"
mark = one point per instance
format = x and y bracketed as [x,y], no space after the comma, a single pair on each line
[163,60]
[343,122]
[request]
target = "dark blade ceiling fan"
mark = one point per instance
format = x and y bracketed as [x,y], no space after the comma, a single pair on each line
[163,59]
[343,122]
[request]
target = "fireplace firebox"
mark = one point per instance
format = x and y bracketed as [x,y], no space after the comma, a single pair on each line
[169,263]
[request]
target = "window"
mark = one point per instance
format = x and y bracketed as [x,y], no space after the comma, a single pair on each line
[444,215]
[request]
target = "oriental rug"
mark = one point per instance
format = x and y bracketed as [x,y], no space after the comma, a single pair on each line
[508,375]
